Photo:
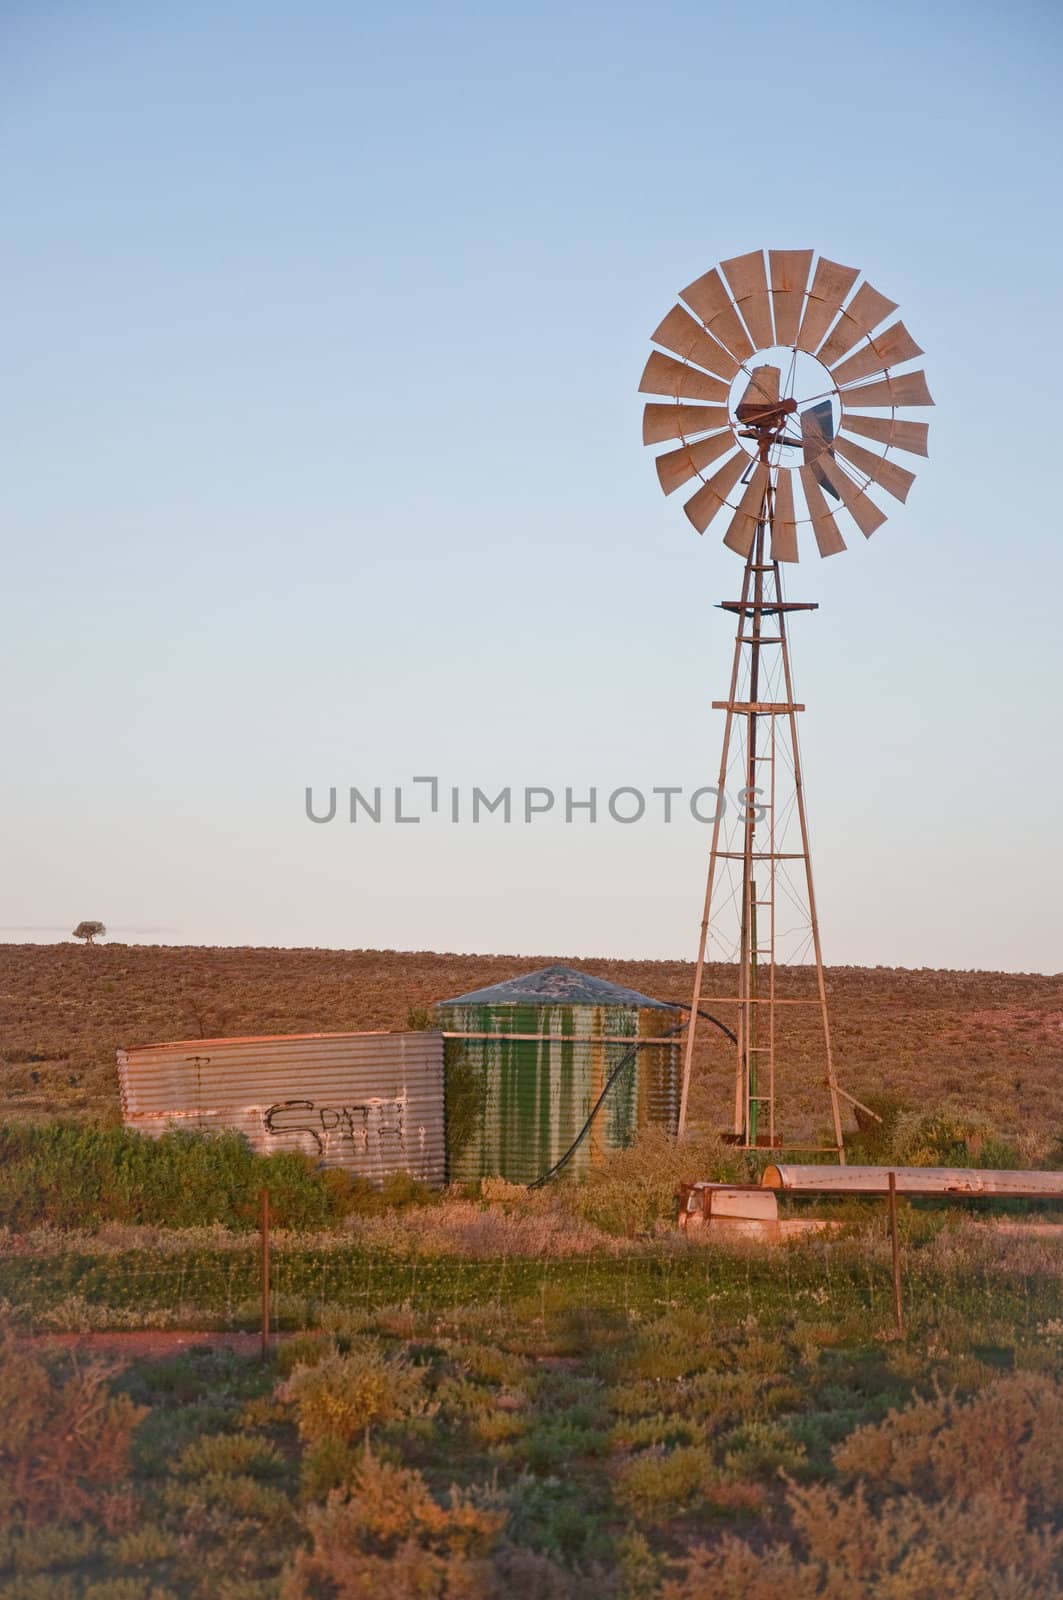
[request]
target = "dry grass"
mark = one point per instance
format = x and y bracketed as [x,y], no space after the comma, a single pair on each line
[987,1042]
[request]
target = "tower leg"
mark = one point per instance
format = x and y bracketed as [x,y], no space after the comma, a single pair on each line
[799,789]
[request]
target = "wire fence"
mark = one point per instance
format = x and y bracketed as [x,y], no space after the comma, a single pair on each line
[223,1289]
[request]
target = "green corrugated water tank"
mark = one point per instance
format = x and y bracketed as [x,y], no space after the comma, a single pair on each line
[527,1060]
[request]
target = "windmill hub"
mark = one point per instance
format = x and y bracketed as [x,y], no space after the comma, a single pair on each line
[783,402]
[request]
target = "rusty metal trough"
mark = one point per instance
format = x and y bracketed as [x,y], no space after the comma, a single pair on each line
[913,1181]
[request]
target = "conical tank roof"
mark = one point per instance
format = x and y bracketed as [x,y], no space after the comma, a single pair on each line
[562,986]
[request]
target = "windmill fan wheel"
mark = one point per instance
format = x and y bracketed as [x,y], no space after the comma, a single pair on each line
[770,368]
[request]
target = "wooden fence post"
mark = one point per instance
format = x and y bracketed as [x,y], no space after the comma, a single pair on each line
[896,1253]
[264,1231]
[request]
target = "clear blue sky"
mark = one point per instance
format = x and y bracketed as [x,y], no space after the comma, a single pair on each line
[321,332]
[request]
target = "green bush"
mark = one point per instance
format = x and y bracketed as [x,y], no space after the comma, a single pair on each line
[875,1139]
[68,1175]
[665,1480]
[343,1395]
[635,1190]
[947,1140]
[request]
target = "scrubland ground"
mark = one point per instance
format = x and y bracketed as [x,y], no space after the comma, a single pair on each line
[654,1419]
[494,1395]
[989,1043]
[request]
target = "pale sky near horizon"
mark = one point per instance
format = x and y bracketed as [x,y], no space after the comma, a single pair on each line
[321,332]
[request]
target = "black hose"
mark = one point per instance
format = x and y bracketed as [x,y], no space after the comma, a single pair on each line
[709,1018]
[625,1061]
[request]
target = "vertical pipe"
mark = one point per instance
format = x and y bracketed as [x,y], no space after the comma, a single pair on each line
[264,1231]
[752,1114]
[896,1254]
[772,864]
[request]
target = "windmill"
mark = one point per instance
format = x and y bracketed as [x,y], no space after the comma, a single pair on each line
[769,369]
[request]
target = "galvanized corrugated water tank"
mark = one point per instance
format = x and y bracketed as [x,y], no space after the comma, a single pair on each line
[369,1102]
[527,1060]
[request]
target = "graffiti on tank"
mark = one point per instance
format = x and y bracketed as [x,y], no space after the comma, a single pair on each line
[367,1128]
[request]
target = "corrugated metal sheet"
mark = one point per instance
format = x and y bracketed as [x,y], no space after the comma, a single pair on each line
[515,1105]
[369,1102]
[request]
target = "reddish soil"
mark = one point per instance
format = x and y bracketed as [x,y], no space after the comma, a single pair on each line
[151,1342]
[140,1342]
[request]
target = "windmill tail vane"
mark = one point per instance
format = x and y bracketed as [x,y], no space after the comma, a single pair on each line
[770,366]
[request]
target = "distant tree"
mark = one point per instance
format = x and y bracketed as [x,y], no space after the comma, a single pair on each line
[205,1017]
[89,931]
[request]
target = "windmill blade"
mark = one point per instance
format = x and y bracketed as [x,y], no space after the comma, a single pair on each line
[749,285]
[703,506]
[890,431]
[687,338]
[784,522]
[904,389]
[663,375]
[761,397]
[865,311]
[676,467]
[789,275]
[743,525]
[681,422]
[888,349]
[895,479]
[708,299]
[829,541]
[863,510]
[830,285]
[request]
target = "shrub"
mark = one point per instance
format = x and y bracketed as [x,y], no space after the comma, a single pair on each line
[552,1442]
[64,1440]
[521,1574]
[125,1589]
[762,1449]
[946,1140]
[547,1516]
[874,1141]
[69,1175]
[636,1188]
[909,1550]
[342,1396]
[649,1482]
[387,1538]
[229,1452]
[945,1506]
[145,1546]
[1009,1435]
[219,1502]
[36,1549]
